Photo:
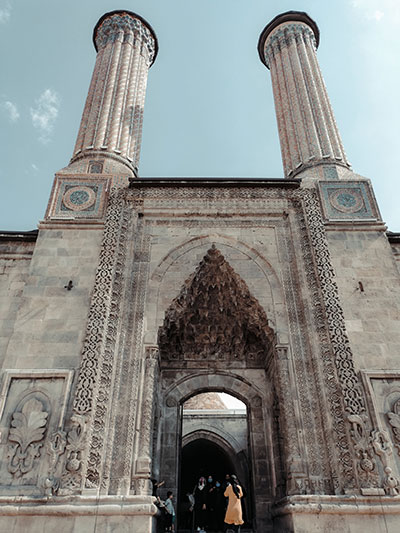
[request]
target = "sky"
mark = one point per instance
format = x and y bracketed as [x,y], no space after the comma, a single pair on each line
[209,108]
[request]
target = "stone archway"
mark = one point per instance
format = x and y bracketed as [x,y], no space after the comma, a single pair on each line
[206,452]
[216,337]
[262,435]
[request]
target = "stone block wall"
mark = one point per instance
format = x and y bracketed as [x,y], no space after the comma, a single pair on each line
[15,258]
[369,288]
[231,425]
[51,319]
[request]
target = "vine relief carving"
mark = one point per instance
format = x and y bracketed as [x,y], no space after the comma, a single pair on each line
[394,421]
[362,445]
[75,445]
[215,317]
[27,432]
[91,400]
[55,449]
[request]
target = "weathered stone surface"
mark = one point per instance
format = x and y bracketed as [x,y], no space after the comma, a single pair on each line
[134,301]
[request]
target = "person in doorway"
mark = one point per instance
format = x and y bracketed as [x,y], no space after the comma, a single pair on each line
[200,504]
[169,512]
[225,485]
[233,515]
[210,502]
[220,507]
[226,481]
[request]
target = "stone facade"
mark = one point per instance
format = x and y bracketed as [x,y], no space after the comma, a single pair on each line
[138,294]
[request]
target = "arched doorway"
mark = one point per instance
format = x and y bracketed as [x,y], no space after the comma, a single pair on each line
[216,337]
[215,444]
[202,457]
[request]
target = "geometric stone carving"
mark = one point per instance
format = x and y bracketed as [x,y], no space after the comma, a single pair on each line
[78,198]
[27,430]
[353,398]
[215,318]
[338,359]
[347,200]
[94,385]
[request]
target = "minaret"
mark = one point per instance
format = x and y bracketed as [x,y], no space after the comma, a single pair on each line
[309,137]
[110,132]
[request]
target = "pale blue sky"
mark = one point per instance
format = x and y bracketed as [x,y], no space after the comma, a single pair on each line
[209,108]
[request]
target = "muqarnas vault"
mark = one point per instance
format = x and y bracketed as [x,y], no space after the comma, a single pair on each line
[137,294]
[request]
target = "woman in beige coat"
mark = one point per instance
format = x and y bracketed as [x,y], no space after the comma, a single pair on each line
[233,516]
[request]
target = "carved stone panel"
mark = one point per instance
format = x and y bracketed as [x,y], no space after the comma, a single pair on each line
[383,395]
[348,200]
[32,440]
[216,317]
[78,198]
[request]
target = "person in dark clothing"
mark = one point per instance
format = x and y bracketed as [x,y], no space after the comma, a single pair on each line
[161,518]
[210,487]
[156,485]
[200,503]
[219,507]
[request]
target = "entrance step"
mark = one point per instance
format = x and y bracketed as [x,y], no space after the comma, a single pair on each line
[212,531]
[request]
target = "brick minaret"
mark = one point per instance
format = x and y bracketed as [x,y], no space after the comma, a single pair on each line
[309,136]
[110,132]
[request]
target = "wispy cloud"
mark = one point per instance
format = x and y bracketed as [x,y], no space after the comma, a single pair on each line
[5,13]
[377,15]
[378,9]
[34,167]
[11,111]
[45,113]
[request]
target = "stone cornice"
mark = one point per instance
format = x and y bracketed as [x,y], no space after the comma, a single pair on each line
[288,16]
[110,24]
[214,182]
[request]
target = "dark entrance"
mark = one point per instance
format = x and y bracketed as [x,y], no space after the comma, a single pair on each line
[202,457]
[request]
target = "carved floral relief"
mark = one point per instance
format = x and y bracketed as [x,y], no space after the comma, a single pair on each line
[26,436]
[394,421]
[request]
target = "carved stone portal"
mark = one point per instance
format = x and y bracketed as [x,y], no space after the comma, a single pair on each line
[215,317]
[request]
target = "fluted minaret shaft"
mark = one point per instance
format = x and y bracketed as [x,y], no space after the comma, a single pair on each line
[111,124]
[307,128]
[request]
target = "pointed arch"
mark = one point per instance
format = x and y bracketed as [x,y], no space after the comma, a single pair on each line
[215,317]
[168,275]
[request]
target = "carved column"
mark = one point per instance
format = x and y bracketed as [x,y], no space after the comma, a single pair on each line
[295,471]
[111,124]
[308,132]
[143,463]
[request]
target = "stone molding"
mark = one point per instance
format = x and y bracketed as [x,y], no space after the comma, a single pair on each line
[217,435]
[126,27]
[338,505]
[81,506]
